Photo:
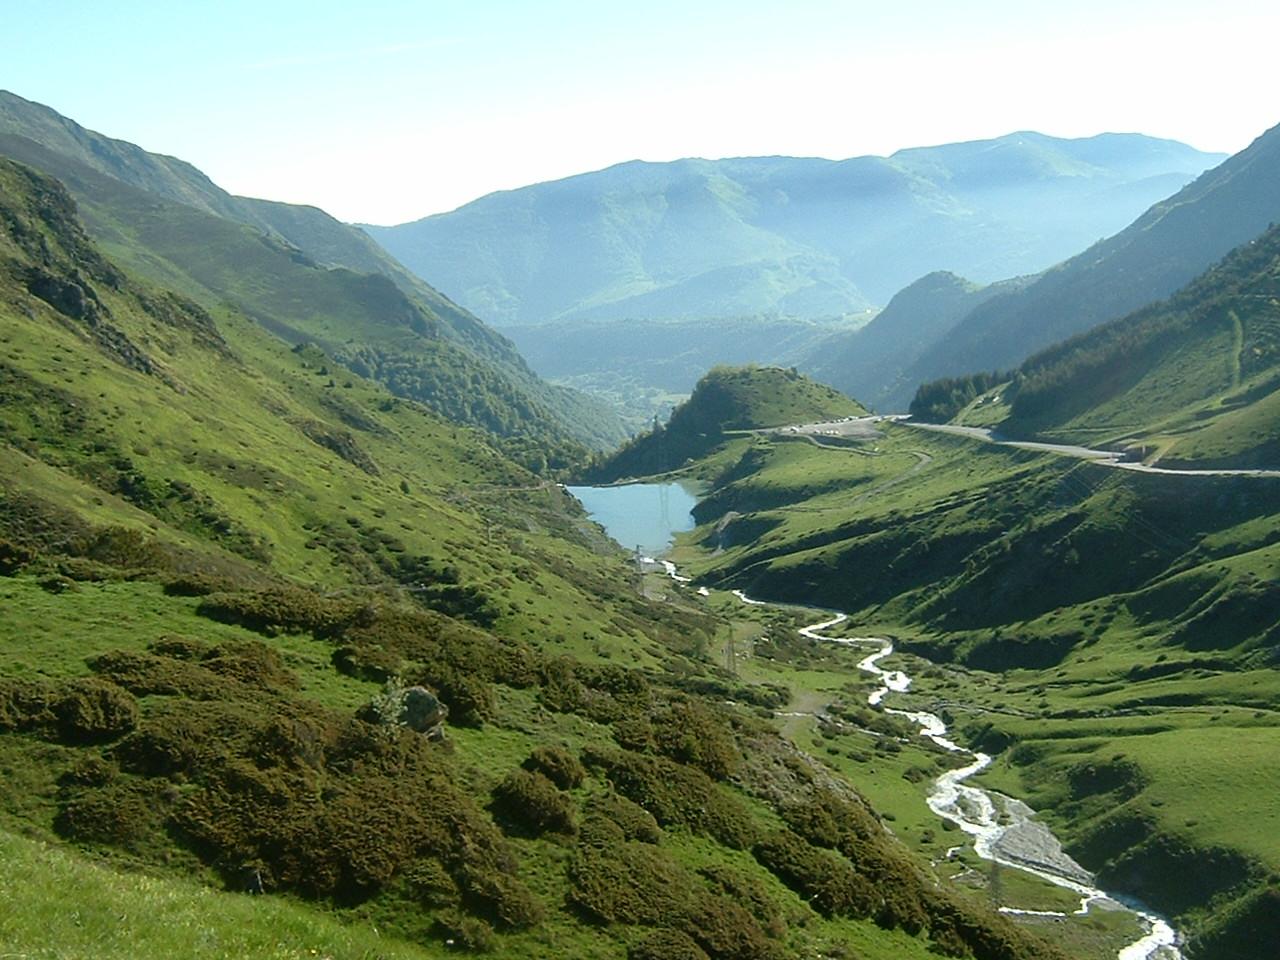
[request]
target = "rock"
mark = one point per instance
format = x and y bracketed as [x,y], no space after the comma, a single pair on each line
[422,711]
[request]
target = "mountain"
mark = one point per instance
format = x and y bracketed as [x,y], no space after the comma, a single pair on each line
[308,277]
[268,630]
[1192,381]
[869,362]
[725,402]
[1169,245]
[798,237]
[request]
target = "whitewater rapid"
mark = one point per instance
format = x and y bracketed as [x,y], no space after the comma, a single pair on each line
[1004,830]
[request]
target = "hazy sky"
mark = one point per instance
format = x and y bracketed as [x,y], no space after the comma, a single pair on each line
[385,111]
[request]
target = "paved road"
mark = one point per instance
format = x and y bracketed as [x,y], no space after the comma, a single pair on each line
[1107,458]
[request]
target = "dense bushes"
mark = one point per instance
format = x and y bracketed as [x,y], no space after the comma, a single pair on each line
[827,881]
[76,711]
[695,734]
[676,794]
[558,765]
[532,802]
[666,945]
[635,883]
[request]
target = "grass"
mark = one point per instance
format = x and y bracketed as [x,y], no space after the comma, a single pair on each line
[127,914]
[989,557]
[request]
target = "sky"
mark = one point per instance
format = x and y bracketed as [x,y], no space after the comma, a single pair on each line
[388,110]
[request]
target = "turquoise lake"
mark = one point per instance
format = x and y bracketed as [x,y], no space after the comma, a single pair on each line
[647,515]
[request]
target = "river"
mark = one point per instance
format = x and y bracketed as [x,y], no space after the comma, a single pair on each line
[1004,829]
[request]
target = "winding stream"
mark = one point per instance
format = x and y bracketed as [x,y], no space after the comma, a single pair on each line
[1003,829]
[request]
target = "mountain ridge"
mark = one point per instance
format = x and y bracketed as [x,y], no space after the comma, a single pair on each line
[764,212]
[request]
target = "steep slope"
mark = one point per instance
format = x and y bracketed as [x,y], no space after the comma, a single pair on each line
[1168,246]
[180,205]
[271,633]
[1193,380]
[727,401]
[868,362]
[799,237]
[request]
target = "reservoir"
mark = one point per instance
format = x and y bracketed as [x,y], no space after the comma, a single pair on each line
[647,515]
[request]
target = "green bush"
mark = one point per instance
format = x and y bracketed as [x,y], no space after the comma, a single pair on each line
[529,802]
[124,814]
[630,883]
[558,765]
[676,794]
[693,733]
[81,711]
[633,820]
[502,899]
[666,945]
[822,877]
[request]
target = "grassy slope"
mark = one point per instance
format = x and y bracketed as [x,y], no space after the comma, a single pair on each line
[1125,615]
[152,451]
[120,915]
[1192,379]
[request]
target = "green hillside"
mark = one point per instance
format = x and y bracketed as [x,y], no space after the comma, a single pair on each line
[1192,381]
[795,237]
[1102,630]
[236,587]
[727,401]
[311,278]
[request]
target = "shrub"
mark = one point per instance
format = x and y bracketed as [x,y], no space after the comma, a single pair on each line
[666,945]
[502,899]
[464,933]
[93,711]
[725,930]
[631,883]
[78,711]
[743,889]
[532,802]
[822,877]
[633,820]
[676,794]
[692,733]
[120,813]
[558,765]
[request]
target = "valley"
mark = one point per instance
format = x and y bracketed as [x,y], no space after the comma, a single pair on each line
[871,553]
[1078,726]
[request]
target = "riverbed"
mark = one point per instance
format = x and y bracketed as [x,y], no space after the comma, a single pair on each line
[646,517]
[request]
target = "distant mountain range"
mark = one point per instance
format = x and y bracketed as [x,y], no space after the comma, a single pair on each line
[806,238]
